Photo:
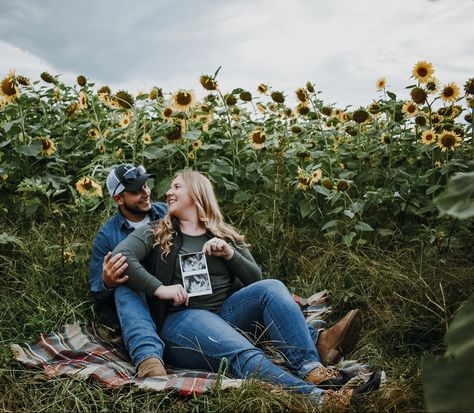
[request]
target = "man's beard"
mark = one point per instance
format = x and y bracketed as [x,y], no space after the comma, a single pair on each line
[135,210]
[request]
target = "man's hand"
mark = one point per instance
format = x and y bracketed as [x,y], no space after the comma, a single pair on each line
[219,248]
[175,293]
[112,270]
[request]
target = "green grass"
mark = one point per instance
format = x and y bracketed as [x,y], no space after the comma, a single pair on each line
[407,296]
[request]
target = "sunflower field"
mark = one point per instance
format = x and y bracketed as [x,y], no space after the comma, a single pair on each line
[354,175]
[354,189]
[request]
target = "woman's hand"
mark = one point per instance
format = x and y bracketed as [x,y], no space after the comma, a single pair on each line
[219,248]
[175,293]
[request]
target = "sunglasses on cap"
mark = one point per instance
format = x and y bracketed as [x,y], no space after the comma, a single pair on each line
[129,176]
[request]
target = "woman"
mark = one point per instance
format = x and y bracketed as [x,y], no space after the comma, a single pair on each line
[199,331]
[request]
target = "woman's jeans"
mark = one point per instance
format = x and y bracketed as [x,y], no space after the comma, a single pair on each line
[199,339]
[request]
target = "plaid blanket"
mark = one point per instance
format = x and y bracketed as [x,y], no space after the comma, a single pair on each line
[96,352]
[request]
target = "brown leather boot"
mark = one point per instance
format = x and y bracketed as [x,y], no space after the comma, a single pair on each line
[151,367]
[340,339]
[321,374]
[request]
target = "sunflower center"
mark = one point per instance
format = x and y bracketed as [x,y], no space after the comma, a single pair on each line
[258,137]
[422,71]
[448,91]
[183,98]
[7,87]
[448,140]
[46,144]
[87,184]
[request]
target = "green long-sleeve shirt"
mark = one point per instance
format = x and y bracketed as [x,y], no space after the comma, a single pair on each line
[138,248]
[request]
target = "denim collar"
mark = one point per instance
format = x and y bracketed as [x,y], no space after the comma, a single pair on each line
[124,224]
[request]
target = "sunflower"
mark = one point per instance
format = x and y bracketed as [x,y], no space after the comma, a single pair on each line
[428,137]
[167,112]
[344,117]
[191,155]
[468,86]
[418,95]
[197,144]
[303,182]
[449,140]
[360,115]
[327,184]
[9,88]
[81,80]
[175,133]
[409,108]
[68,257]
[71,110]
[309,87]
[125,120]
[432,86]
[48,78]
[420,120]
[436,118]
[301,95]
[57,93]
[326,111]
[101,148]
[230,100]
[49,147]
[374,109]
[437,164]
[155,93]
[183,100]
[262,88]
[385,138]
[302,109]
[23,80]
[82,100]
[147,139]
[423,71]
[296,129]
[245,96]
[257,138]
[88,187]
[381,83]
[342,186]
[94,133]
[277,97]
[208,83]
[450,92]
[316,176]
[124,99]
[305,156]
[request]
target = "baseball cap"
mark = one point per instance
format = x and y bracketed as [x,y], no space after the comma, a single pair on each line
[126,178]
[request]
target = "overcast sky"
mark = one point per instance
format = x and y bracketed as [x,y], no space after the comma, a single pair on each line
[343,46]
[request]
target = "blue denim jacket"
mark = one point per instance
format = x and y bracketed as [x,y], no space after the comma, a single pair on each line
[108,237]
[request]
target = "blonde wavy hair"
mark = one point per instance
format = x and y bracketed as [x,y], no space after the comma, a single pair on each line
[202,193]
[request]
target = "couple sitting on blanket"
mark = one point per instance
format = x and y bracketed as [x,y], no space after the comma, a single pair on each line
[135,270]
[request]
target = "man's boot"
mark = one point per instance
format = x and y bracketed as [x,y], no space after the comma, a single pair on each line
[340,339]
[151,367]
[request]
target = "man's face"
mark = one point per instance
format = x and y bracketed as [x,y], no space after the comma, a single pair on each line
[135,205]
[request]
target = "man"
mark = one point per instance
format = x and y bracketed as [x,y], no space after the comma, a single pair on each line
[127,185]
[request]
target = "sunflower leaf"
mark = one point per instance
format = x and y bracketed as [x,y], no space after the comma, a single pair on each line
[363,226]
[330,224]
[457,199]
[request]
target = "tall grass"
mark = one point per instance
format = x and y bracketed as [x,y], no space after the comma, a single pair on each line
[407,296]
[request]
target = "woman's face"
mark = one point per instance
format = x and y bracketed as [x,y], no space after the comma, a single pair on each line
[179,201]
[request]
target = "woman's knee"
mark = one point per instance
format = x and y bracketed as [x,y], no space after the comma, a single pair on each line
[272,287]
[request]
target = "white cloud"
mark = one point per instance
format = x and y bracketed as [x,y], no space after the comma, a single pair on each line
[342,46]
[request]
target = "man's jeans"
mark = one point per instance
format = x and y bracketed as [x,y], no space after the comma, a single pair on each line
[199,339]
[138,328]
